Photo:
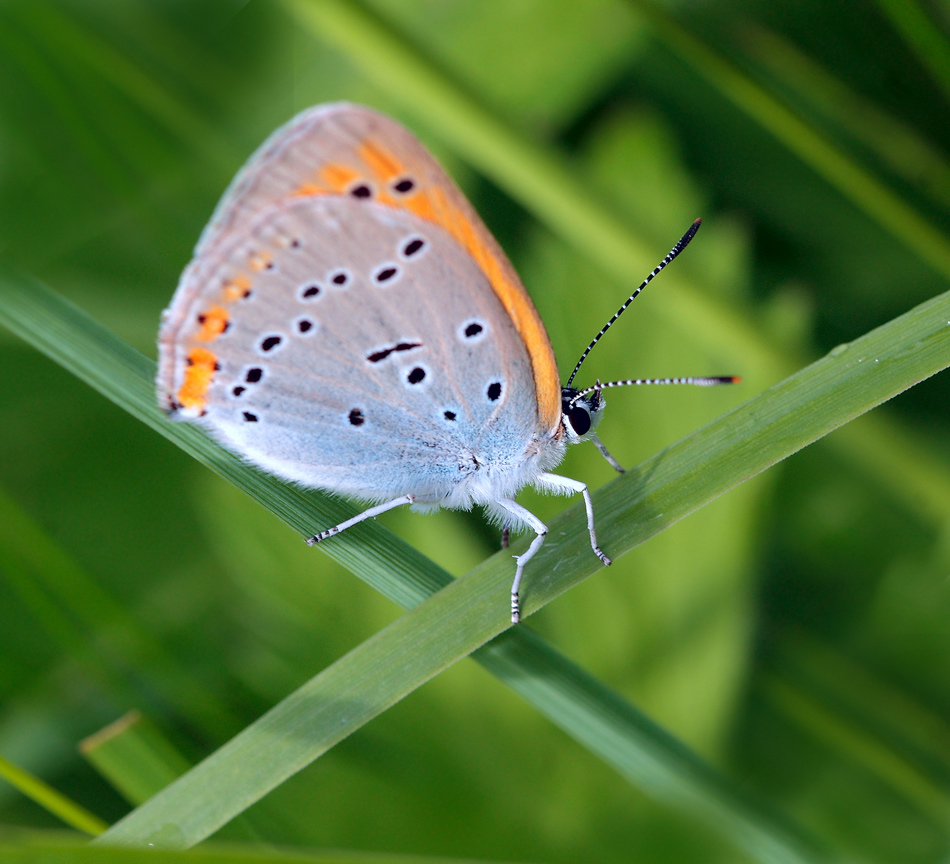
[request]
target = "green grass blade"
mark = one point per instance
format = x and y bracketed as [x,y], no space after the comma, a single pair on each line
[93,354]
[326,709]
[924,37]
[50,800]
[134,756]
[897,144]
[468,613]
[892,212]
[848,737]
[643,752]
[47,848]
[69,605]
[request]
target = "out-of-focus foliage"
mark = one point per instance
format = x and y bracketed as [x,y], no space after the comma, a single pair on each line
[794,632]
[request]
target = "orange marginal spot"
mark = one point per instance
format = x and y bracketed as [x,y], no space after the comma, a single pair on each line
[384,165]
[213,321]
[198,375]
[236,288]
[337,178]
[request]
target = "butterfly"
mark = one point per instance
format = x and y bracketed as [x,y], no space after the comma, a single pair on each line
[348,323]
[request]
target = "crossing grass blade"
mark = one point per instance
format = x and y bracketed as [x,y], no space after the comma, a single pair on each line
[465,615]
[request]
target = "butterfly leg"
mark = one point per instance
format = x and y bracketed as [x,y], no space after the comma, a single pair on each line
[541,530]
[371,513]
[606,454]
[566,486]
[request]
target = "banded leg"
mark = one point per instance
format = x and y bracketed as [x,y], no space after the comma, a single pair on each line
[539,528]
[566,486]
[559,486]
[371,513]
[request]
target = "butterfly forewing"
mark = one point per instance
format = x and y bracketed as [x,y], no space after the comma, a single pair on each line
[354,153]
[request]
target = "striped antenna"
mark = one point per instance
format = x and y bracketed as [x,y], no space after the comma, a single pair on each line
[679,247]
[713,381]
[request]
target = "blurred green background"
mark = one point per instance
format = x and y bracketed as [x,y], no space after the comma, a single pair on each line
[795,632]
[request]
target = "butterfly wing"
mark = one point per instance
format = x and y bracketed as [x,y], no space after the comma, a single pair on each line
[340,337]
[348,151]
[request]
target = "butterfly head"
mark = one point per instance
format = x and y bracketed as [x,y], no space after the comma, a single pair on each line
[580,414]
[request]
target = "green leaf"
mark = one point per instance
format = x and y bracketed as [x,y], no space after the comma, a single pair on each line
[134,756]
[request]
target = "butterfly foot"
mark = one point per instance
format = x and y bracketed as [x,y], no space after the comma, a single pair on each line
[515,608]
[312,541]
[604,558]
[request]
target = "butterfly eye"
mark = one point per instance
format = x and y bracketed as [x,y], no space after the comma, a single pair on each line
[579,418]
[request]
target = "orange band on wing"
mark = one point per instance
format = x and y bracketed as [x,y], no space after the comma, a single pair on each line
[384,165]
[309,188]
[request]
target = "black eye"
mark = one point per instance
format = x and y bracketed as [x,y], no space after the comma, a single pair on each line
[579,418]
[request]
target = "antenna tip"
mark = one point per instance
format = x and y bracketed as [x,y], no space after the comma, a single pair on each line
[732,379]
[697,222]
[689,235]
